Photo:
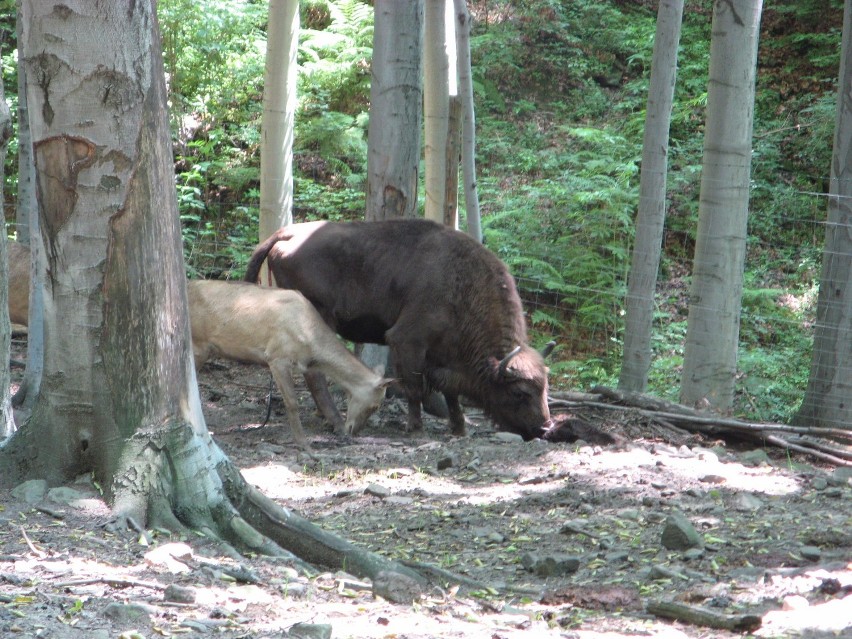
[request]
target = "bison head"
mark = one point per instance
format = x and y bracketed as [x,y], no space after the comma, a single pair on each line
[516,398]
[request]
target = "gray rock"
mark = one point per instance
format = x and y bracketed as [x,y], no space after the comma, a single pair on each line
[550,565]
[179,594]
[446,461]
[32,491]
[64,495]
[811,553]
[130,614]
[658,572]
[679,533]
[377,491]
[509,438]
[841,476]
[396,587]
[746,502]
[819,483]
[756,457]
[310,631]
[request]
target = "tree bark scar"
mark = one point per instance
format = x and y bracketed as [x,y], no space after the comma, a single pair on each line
[59,160]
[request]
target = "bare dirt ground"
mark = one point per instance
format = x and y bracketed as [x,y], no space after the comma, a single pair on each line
[552,540]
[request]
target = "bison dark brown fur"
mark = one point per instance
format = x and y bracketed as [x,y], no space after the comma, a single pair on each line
[445,305]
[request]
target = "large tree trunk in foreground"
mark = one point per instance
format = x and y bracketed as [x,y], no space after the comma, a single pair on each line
[828,398]
[119,396]
[715,301]
[651,216]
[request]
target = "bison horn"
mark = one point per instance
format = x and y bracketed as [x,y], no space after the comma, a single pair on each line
[505,361]
[548,349]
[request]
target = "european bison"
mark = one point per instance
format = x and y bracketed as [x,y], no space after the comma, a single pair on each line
[445,305]
[280,329]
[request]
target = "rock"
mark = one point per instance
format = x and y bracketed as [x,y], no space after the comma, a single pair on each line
[745,502]
[396,587]
[126,614]
[446,461]
[693,554]
[550,565]
[811,553]
[179,594]
[509,438]
[658,572]
[310,631]
[64,495]
[841,476]
[756,457]
[32,491]
[169,555]
[377,491]
[819,483]
[399,500]
[679,533]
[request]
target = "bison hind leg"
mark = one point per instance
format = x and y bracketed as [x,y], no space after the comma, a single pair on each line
[457,423]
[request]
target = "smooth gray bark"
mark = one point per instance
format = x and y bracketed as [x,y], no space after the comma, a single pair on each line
[279,109]
[7,422]
[436,105]
[468,150]
[710,354]
[828,397]
[651,214]
[396,98]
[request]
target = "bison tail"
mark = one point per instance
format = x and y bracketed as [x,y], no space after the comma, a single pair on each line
[261,251]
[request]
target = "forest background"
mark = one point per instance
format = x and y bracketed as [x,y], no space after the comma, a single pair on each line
[560,91]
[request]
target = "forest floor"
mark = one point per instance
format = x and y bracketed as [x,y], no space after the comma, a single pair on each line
[557,540]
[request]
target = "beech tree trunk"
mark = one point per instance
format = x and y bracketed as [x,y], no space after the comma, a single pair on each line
[436,104]
[468,149]
[651,215]
[396,98]
[710,354]
[828,397]
[119,396]
[279,108]
[7,422]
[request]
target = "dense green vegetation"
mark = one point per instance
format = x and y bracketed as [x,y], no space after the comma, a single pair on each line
[561,91]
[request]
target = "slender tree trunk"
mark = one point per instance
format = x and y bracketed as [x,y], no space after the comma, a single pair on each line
[7,422]
[652,200]
[471,197]
[828,397]
[396,98]
[279,108]
[27,227]
[25,205]
[436,101]
[710,356]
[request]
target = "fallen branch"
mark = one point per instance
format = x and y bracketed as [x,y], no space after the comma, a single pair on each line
[703,617]
[822,443]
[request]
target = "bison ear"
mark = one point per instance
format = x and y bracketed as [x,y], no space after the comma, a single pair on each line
[548,349]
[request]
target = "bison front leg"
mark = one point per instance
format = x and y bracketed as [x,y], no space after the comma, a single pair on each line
[457,423]
[282,373]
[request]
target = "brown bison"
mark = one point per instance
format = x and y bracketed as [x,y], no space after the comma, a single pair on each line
[445,305]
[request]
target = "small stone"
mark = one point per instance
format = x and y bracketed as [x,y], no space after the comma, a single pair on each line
[617,556]
[756,457]
[310,631]
[795,602]
[377,491]
[841,476]
[32,491]
[447,461]
[811,553]
[179,594]
[509,438]
[396,587]
[819,483]
[399,500]
[693,554]
[679,533]
[746,502]
[64,495]
[550,565]
[126,613]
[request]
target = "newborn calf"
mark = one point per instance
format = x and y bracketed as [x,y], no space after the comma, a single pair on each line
[280,328]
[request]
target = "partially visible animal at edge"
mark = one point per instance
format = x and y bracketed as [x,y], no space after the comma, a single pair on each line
[446,306]
[18,258]
[281,329]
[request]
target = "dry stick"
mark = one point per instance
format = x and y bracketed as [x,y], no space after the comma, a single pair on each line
[38,553]
[703,617]
[115,583]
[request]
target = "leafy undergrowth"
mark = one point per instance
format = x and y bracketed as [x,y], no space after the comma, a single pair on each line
[774,537]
